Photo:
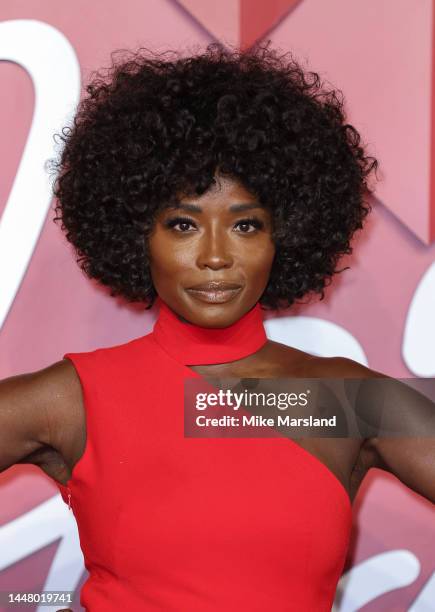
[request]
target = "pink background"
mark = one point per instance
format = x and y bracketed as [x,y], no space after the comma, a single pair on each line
[380,55]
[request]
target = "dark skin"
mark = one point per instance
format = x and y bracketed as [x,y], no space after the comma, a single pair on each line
[42,415]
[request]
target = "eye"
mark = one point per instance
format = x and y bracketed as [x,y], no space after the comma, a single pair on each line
[256,223]
[182,221]
[186,221]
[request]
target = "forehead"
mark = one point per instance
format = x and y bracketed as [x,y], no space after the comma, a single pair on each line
[225,191]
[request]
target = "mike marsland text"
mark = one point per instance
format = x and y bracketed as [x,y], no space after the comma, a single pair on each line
[261,421]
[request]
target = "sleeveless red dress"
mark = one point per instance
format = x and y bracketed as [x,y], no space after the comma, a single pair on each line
[177,524]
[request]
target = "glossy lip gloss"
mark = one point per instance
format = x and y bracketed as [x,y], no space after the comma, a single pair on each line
[214,296]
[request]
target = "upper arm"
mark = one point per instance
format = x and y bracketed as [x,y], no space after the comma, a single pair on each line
[411,456]
[33,408]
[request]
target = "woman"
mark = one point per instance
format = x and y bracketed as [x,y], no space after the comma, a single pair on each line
[215,185]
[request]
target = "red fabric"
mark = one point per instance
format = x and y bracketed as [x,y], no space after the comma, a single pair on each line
[176,524]
[194,345]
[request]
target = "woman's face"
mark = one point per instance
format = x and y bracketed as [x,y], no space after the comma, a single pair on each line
[224,235]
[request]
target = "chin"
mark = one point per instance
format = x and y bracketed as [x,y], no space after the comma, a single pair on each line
[214,315]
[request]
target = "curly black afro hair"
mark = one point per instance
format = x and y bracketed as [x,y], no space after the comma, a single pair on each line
[156,125]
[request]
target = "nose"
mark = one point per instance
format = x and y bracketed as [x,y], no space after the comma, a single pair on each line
[214,251]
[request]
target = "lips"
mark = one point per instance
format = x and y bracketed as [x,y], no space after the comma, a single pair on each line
[215,292]
[215,286]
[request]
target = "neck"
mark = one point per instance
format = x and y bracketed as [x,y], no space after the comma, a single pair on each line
[191,344]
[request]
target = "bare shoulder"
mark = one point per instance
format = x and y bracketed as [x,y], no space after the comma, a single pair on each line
[343,367]
[37,410]
[61,392]
[296,361]
[56,386]
[60,376]
[361,455]
[51,387]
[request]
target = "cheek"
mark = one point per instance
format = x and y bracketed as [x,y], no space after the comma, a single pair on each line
[260,257]
[167,258]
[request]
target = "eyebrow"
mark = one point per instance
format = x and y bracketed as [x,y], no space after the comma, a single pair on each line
[233,208]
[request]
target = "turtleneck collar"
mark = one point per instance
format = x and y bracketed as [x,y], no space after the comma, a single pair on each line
[191,344]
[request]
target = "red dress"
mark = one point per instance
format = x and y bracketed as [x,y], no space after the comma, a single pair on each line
[177,524]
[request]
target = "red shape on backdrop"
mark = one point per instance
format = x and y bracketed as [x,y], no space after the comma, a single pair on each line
[258,17]
[241,22]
